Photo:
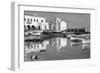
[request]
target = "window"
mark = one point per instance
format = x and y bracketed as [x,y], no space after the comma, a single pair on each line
[28,19]
[41,20]
[34,46]
[33,27]
[37,46]
[34,20]
[37,20]
[39,27]
[31,20]
[28,26]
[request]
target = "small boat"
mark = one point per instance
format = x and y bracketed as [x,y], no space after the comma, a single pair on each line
[34,57]
[33,32]
[75,43]
[85,41]
[85,46]
[85,36]
[32,38]
[75,39]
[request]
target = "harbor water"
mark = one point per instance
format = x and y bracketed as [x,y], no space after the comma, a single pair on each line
[55,48]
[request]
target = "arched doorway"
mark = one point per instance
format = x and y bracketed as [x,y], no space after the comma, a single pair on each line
[39,28]
[33,27]
[28,26]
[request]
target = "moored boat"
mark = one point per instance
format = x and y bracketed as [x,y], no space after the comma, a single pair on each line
[85,41]
[74,38]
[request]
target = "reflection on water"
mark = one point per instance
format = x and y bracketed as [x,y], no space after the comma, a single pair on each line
[85,46]
[57,48]
[61,42]
[35,47]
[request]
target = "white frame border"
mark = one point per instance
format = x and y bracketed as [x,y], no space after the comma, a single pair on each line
[16,61]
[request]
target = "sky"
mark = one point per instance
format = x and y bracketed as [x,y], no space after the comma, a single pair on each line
[74,20]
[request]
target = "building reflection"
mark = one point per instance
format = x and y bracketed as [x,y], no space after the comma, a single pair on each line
[36,47]
[53,47]
[57,43]
[61,42]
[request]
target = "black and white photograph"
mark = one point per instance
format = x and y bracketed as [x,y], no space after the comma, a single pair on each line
[56,36]
[47,36]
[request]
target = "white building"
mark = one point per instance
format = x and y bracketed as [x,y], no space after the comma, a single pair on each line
[57,25]
[63,26]
[35,23]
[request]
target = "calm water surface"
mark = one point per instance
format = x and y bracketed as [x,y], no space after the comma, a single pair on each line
[55,49]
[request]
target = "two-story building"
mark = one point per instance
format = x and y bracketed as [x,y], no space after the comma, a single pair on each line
[35,23]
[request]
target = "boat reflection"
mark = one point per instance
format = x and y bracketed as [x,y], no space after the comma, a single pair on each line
[85,46]
[75,44]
